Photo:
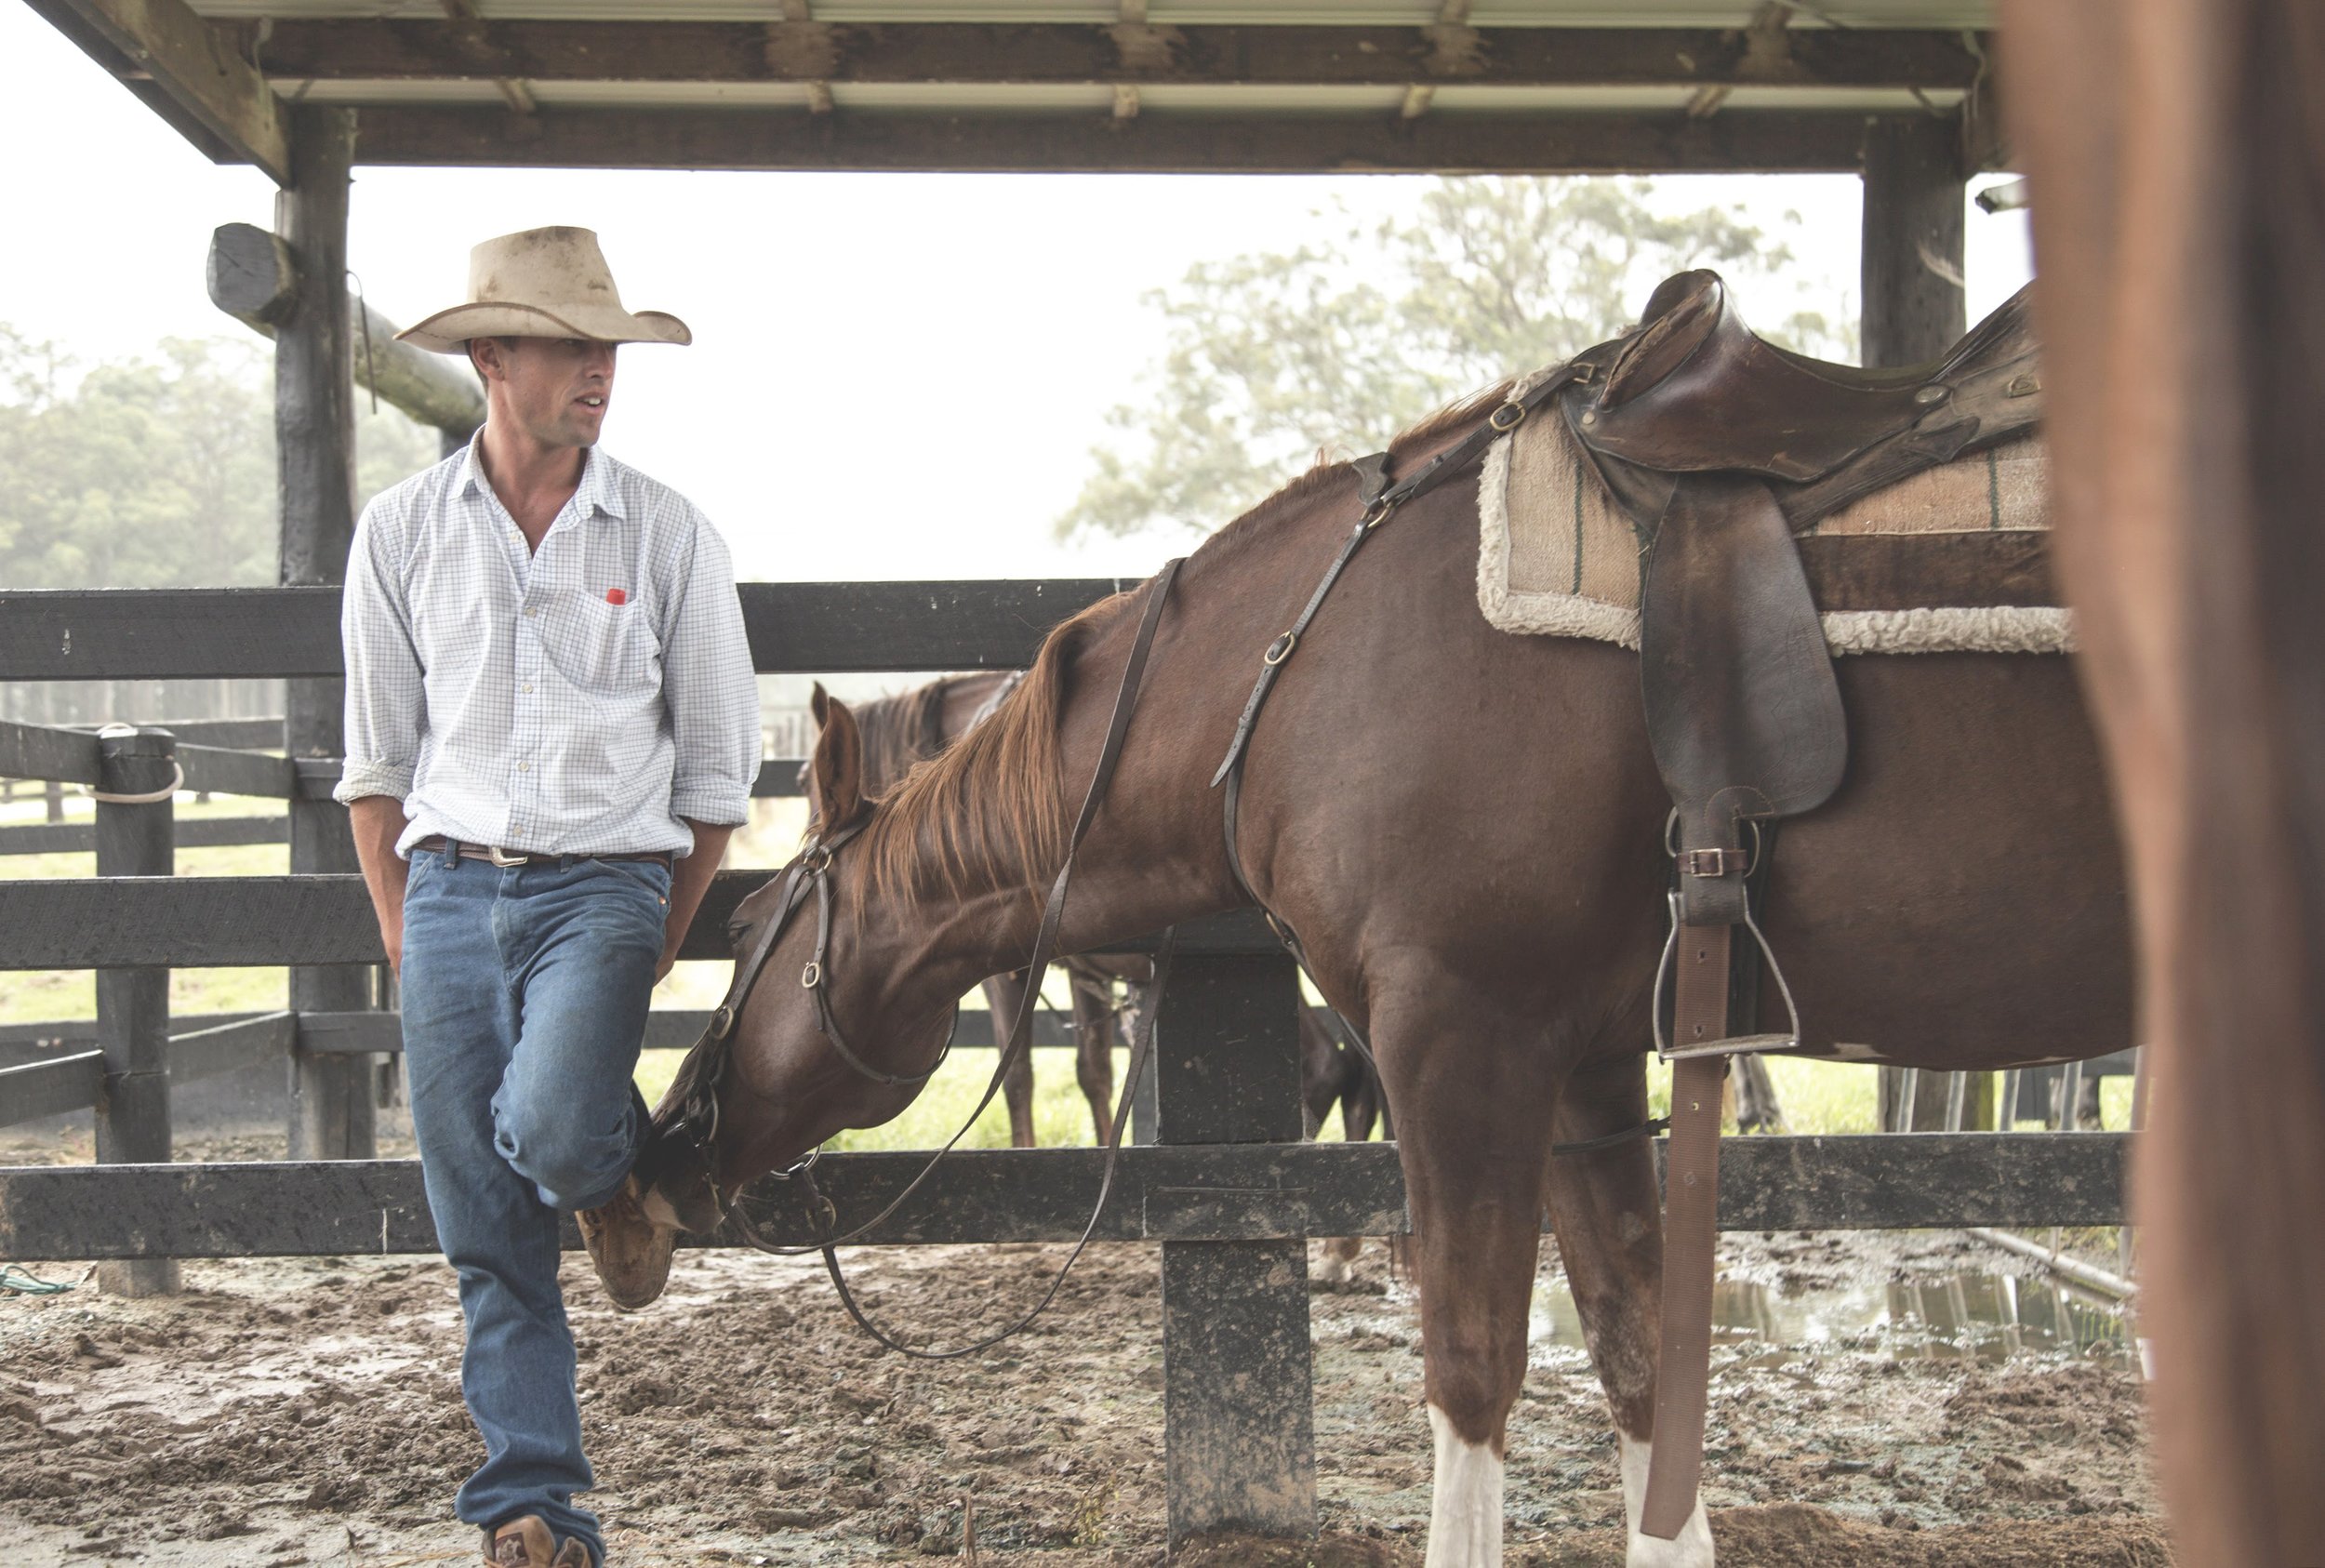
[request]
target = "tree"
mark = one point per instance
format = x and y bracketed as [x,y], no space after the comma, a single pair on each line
[155,472]
[1273,358]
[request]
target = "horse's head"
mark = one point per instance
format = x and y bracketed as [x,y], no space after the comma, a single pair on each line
[824,1025]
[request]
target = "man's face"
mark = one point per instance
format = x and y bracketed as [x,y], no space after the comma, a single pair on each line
[554,390]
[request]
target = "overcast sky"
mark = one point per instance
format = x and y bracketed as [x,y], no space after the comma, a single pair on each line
[894,376]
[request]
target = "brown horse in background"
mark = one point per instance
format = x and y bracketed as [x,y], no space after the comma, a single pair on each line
[910,727]
[2175,150]
[1481,888]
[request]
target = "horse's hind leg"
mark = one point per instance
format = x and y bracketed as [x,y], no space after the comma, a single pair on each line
[1004,994]
[1470,1112]
[1607,1217]
[1094,1054]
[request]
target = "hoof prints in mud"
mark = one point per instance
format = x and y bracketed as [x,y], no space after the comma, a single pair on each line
[297,1411]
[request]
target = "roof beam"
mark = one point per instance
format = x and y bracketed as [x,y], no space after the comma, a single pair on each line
[1126,53]
[1530,144]
[194,75]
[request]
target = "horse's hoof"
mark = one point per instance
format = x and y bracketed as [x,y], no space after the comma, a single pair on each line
[630,1251]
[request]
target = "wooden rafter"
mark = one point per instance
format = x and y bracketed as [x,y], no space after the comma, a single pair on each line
[1452,40]
[1732,142]
[1126,52]
[1766,46]
[195,75]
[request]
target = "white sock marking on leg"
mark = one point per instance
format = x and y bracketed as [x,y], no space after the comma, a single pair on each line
[1465,1516]
[1690,1549]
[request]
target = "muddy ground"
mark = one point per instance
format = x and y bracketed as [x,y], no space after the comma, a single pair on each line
[306,1411]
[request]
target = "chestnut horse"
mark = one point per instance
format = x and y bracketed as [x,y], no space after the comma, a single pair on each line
[1480,888]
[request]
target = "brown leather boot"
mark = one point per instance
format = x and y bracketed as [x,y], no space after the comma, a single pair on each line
[630,1248]
[525,1543]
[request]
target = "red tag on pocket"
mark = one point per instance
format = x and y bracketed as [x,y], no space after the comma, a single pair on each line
[615,596]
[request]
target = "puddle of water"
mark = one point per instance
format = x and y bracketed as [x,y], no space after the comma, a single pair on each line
[1959,1316]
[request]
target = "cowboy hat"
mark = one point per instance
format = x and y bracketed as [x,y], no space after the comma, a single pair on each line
[542,282]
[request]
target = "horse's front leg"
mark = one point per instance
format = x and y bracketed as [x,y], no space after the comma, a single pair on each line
[1608,1216]
[1472,1104]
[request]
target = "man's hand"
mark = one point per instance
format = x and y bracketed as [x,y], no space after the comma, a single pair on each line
[377,821]
[689,880]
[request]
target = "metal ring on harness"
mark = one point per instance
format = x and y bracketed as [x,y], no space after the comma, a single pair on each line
[810,977]
[1517,412]
[721,1021]
[1281,649]
[1376,514]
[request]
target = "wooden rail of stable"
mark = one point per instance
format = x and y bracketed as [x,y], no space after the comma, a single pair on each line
[806,627]
[225,923]
[1201,1193]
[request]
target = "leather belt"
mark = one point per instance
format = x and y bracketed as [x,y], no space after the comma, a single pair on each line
[437,844]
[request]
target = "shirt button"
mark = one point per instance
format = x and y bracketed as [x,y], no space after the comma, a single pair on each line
[528,685]
[529,610]
[522,766]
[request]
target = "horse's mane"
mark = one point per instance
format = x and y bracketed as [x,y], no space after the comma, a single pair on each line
[899,731]
[959,820]
[965,803]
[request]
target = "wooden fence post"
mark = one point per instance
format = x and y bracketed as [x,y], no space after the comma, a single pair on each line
[333,1108]
[133,1004]
[1238,1397]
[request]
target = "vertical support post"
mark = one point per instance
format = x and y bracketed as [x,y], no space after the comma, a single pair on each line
[332,1112]
[1238,1397]
[133,1004]
[1910,271]
[1910,266]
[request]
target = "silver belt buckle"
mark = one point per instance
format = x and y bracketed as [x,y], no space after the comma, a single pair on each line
[492,853]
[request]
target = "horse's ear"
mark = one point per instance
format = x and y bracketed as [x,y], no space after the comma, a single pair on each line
[837,768]
[819,703]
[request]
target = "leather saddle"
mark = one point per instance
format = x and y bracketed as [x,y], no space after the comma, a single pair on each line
[1722,447]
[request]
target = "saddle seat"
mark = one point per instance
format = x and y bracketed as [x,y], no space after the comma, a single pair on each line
[1694,389]
[1722,449]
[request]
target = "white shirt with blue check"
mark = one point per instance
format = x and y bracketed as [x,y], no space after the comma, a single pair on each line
[579,699]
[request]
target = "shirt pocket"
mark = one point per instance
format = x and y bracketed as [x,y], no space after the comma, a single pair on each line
[607,650]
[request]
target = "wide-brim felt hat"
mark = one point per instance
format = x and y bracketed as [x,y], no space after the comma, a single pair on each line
[542,282]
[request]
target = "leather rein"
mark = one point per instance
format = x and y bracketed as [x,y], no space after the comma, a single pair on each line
[810,872]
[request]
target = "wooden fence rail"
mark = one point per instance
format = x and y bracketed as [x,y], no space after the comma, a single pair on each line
[813,628]
[1195,1192]
[224,922]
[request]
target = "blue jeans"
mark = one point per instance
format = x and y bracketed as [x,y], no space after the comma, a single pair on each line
[524,993]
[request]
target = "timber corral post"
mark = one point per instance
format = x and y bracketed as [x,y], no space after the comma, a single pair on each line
[332,1114]
[1238,1404]
[135,840]
[1915,308]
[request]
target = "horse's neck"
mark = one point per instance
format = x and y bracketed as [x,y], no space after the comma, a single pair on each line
[1153,855]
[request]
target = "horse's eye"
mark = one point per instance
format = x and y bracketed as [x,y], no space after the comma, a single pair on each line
[737,932]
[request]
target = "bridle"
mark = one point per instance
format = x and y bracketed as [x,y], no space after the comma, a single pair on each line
[810,873]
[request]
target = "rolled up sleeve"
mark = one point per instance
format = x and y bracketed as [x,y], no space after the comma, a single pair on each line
[710,688]
[386,697]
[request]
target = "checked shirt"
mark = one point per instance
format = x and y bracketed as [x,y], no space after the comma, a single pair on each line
[576,700]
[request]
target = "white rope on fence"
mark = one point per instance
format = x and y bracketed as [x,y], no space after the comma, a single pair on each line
[151,797]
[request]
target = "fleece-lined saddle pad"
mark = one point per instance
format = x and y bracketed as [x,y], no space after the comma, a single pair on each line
[1954,559]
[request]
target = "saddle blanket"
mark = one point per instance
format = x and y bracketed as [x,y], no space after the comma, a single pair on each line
[1951,560]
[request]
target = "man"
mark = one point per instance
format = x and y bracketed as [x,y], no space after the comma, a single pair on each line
[552,728]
